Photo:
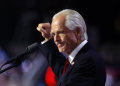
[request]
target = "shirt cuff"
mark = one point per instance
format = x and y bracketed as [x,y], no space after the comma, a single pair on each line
[43,41]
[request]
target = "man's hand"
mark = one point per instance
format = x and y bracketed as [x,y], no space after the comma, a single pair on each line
[45,29]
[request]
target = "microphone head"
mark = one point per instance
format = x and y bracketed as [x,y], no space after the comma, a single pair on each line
[32,48]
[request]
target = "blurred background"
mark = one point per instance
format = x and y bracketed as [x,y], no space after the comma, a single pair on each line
[18,22]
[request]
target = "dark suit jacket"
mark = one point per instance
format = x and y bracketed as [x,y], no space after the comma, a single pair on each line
[88,68]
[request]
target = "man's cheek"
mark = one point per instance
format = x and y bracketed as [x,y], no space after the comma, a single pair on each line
[63,37]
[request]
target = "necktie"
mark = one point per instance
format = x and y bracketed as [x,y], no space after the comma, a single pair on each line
[66,66]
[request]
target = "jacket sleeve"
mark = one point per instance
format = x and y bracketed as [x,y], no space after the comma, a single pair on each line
[55,59]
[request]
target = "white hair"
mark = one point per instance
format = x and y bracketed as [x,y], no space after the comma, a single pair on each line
[73,20]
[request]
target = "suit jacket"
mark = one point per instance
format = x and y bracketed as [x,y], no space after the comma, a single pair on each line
[88,68]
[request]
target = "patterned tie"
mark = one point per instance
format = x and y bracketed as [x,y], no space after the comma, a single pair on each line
[66,66]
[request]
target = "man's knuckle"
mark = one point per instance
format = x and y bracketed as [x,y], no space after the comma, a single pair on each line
[40,25]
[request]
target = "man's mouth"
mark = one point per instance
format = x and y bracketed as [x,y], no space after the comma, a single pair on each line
[60,45]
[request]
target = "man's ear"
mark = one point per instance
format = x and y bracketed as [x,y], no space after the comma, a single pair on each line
[78,31]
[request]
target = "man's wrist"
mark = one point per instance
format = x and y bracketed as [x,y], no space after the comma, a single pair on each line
[46,39]
[50,37]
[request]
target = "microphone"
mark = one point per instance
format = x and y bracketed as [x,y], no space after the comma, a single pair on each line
[30,49]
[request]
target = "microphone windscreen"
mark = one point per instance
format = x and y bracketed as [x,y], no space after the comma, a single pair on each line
[32,48]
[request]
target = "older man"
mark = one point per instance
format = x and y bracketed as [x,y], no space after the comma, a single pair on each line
[86,67]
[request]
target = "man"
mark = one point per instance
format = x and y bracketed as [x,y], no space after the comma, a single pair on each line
[86,66]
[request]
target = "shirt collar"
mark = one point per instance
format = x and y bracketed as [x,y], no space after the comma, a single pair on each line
[76,50]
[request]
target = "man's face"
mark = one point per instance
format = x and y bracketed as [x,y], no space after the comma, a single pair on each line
[64,38]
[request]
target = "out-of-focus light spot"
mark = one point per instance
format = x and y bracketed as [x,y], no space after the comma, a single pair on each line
[26,66]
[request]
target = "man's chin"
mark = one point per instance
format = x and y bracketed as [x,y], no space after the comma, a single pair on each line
[61,50]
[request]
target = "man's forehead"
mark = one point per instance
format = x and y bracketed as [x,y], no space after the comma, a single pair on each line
[57,30]
[58,22]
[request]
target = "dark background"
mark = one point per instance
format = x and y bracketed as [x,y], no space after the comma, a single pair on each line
[28,14]
[19,19]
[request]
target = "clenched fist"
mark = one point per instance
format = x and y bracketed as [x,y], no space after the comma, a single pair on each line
[45,30]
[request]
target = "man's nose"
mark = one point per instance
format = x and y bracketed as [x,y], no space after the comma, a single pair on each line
[56,38]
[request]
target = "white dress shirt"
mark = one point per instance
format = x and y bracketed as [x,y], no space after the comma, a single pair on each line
[76,50]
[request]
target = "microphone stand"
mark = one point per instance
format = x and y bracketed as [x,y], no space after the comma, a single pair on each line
[19,58]
[16,63]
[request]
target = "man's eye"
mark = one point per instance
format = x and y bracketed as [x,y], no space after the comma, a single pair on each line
[61,33]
